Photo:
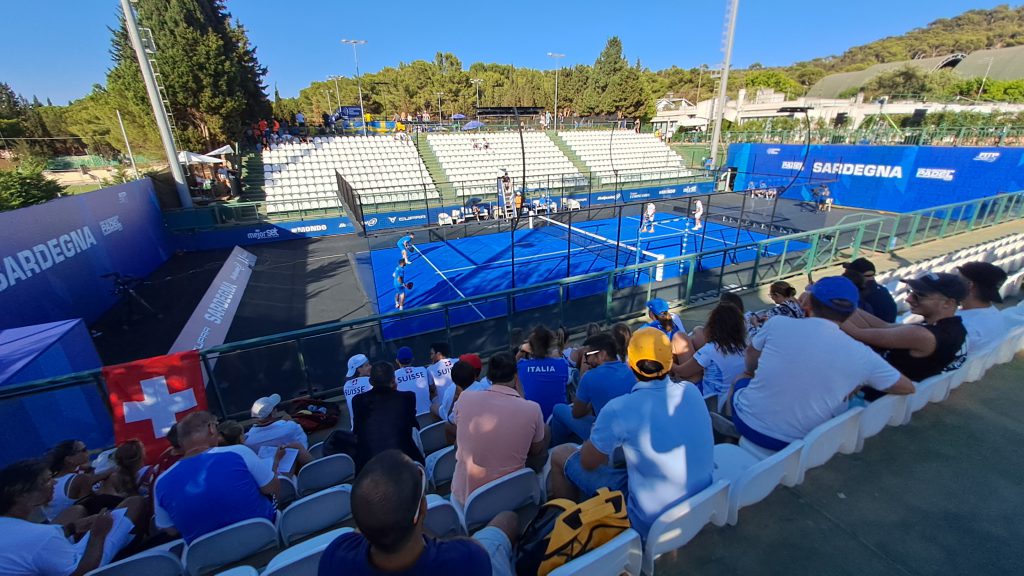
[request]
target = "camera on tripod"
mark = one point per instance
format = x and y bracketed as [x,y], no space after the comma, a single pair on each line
[123,284]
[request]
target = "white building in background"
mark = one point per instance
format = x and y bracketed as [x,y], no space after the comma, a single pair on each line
[823,101]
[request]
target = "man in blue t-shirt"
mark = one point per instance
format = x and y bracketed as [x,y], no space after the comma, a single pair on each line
[400,284]
[607,378]
[405,245]
[389,506]
[211,487]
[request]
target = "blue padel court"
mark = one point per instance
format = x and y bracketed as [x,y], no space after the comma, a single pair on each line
[546,249]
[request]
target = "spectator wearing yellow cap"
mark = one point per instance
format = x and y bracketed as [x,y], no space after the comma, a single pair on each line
[664,430]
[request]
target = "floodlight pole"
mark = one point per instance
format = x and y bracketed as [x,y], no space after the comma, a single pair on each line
[359,78]
[156,102]
[556,56]
[440,114]
[127,145]
[987,70]
[477,82]
[337,92]
[732,9]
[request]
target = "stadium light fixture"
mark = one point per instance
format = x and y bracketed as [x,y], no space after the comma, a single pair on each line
[440,115]
[359,78]
[556,56]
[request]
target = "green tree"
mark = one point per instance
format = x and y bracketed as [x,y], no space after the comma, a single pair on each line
[20,189]
[212,77]
[774,79]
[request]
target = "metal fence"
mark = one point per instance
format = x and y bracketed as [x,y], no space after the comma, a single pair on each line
[311,361]
[878,135]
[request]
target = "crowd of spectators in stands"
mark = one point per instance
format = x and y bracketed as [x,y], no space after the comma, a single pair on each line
[630,411]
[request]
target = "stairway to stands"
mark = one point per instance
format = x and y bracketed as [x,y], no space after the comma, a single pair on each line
[252,177]
[437,174]
[576,161]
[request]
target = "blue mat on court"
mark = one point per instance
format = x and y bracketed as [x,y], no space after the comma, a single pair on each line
[467,267]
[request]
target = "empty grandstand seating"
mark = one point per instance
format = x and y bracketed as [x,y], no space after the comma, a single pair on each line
[301,175]
[479,168]
[636,157]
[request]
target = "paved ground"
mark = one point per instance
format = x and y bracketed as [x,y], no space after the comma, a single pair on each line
[941,495]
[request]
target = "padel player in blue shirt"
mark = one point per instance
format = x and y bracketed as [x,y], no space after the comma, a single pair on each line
[401,286]
[405,245]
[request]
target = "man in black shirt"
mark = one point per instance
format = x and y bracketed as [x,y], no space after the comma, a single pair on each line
[877,299]
[384,417]
[920,351]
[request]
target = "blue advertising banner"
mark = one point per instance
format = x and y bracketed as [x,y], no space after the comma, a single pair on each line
[246,234]
[54,255]
[889,178]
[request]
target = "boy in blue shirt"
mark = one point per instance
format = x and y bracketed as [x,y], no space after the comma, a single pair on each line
[401,286]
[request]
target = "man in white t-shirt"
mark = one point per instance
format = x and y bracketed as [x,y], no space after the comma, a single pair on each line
[440,370]
[29,548]
[414,379]
[358,381]
[801,372]
[271,429]
[984,323]
[212,487]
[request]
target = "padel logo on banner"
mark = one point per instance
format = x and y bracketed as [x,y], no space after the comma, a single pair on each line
[792,165]
[944,174]
[987,156]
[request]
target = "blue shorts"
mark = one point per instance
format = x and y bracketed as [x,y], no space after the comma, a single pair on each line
[763,440]
[588,481]
[498,548]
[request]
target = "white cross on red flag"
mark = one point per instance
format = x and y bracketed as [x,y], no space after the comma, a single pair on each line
[149,396]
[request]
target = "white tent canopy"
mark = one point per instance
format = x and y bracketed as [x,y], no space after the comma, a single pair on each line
[226,149]
[193,158]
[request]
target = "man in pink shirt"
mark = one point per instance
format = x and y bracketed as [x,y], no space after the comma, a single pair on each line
[497,430]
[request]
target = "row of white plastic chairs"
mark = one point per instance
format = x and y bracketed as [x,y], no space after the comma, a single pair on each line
[747,474]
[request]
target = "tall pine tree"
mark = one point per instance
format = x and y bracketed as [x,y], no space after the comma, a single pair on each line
[212,78]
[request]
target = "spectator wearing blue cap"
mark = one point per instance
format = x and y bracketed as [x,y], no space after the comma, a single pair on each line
[414,379]
[672,326]
[939,344]
[793,382]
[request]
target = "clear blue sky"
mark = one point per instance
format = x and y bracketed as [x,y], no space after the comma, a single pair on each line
[59,48]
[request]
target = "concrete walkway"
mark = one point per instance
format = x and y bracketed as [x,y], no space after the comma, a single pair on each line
[942,495]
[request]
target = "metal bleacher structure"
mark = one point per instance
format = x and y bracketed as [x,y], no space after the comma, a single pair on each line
[301,175]
[482,158]
[625,156]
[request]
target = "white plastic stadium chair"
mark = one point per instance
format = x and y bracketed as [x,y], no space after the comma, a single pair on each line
[889,410]
[518,491]
[229,545]
[441,467]
[150,562]
[926,389]
[287,493]
[433,438]
[837,435]
[621,555]
[314,513]
[303,559]
[752,480]
[679,524]
[240,571]
[317,450]
[325,472]
[442,519]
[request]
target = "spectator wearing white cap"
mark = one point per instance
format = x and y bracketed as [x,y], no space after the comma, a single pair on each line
[414,379]
[273,428]
[358,381]
[984,323]
[800,372]
[664,430]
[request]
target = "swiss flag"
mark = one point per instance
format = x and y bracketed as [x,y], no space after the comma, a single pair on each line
[149,396]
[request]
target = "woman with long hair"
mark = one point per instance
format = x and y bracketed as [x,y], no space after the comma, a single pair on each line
[73,477]
[543,373]
[717,364]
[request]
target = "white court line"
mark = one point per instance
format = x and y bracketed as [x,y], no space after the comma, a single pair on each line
[441,274]
[652,238]
[532,257]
